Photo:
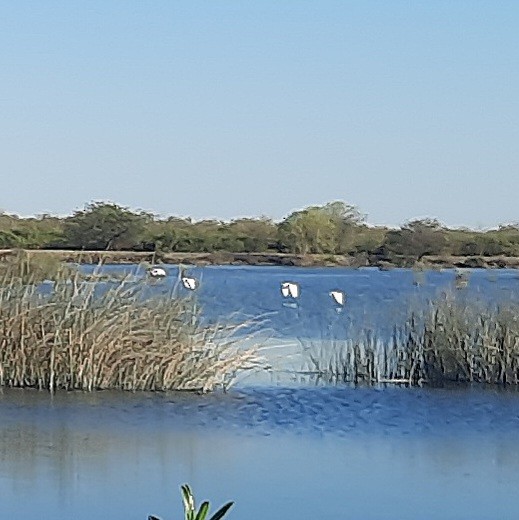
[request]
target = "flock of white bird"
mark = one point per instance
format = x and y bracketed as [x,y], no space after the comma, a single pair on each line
[289,290]
[187,281]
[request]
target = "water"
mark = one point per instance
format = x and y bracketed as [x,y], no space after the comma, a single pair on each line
[375,299]
[280,452]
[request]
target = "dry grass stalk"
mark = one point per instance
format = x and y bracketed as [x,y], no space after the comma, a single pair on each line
[89,336]
[446,342]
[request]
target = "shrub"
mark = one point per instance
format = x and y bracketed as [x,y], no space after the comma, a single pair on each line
[70,334]
[448,341]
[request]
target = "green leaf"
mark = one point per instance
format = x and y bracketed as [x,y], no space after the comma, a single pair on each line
[202,512]
[189,502]
[221,512]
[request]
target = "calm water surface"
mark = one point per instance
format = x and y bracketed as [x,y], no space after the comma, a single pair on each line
[375,299]
[280,453]
[300,452]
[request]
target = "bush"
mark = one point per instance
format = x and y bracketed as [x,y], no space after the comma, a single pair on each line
[91,335]
[446,342]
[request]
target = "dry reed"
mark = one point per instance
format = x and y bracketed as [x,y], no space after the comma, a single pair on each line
[89,336]
[448,341]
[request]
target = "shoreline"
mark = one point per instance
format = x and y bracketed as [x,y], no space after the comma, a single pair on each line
[270,259]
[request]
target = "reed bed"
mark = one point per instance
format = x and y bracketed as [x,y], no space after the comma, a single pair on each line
[448,341]
[29,267]
[75,335]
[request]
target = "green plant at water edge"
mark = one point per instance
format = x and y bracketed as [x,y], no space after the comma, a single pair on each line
[190,512]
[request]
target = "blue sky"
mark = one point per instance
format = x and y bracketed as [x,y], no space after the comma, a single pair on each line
[229,108]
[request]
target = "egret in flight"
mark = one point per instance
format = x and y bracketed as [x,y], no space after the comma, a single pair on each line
[157,272]
[189,283]
[290,290]
[339,297]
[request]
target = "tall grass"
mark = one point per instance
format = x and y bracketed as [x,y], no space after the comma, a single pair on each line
[448,341]
[90,336]
[29,267]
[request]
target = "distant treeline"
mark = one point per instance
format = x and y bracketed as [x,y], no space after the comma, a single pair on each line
[335,228]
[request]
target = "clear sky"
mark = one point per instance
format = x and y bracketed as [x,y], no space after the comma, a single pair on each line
[230,108]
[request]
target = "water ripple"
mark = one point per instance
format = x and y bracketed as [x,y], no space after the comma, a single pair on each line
[303,411]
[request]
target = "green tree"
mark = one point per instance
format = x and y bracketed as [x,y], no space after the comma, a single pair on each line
[346,220]
[29,233]
[320,229]
[483,244]
[103,225]
[171,235]
[417,238]
[207,236]
[252,235]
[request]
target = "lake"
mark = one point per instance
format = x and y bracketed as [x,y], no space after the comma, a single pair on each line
[374,299]
[280,447]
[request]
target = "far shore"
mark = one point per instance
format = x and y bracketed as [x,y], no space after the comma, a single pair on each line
[272,259]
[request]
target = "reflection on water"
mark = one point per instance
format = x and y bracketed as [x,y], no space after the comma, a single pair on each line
[281,453]
[301,453]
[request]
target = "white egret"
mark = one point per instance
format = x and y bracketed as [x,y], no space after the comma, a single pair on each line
[338,296]
[157,272]
[290,290]
[189,283]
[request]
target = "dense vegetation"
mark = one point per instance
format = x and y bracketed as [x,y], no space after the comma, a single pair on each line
[73,334]
[446,342]
[335,228]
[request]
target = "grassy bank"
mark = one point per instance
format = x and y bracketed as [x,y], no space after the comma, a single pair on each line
[274,259]
[87,336]
[447,342]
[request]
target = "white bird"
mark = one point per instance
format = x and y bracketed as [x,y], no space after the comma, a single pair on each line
[290,290]
[189,283]
[157,272]
[339,297]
